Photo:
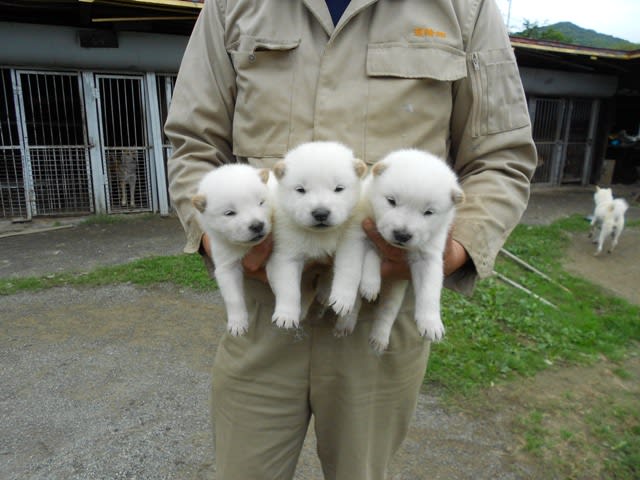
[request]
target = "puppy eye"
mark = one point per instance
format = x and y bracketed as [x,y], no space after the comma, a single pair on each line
[428,212]
[300,190]
[261,202]
[229,213]
[392,201]
[339,188]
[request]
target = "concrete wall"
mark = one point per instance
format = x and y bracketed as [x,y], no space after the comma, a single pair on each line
[47,46]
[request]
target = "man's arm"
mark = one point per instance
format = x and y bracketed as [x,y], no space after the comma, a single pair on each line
[492,149]
[199,123]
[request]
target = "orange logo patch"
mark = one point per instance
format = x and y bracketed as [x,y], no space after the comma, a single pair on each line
[428,32]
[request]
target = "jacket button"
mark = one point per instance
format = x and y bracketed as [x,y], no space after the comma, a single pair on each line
[252,57]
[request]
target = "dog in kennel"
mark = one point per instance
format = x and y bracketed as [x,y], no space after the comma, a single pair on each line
[123,171]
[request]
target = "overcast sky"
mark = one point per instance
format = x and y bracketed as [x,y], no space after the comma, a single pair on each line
[620,18]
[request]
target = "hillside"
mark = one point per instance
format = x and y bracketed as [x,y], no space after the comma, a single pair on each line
[570,33]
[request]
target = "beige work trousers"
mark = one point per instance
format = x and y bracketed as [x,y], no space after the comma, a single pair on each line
[269,383]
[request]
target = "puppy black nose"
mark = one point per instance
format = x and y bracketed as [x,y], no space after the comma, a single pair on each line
[256,227]
[321,214]
[401,236]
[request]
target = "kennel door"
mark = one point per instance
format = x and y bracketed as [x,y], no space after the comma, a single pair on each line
[55,143]
[124,140]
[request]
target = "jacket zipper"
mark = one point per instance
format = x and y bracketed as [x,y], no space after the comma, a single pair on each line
[476,86]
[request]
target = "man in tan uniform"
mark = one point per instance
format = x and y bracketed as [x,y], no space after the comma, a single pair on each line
[260,77]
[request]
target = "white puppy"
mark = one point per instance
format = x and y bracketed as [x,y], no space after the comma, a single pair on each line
[233,208]
[315,199]
[608,218]
[413,197]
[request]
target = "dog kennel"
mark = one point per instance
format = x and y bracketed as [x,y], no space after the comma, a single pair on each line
[64,136]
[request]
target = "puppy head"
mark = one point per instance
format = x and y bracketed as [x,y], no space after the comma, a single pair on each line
[602,195]
[319,184]
[232,203]
[413,195]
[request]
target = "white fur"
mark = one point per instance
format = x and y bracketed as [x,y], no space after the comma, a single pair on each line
[608,218]
[412,196]
[313,180]
[233,208]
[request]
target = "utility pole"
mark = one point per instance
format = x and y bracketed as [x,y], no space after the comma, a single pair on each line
[509,16]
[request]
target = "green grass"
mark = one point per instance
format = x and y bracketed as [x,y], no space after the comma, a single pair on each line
[500,332]
[182,270]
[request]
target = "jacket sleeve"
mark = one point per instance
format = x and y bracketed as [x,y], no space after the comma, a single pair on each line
[200,117]
[492,149]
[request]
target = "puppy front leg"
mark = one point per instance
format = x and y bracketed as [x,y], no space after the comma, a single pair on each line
[371,279]
[284,276]
[230,280]
[391,296]
[347,272]
[427,277]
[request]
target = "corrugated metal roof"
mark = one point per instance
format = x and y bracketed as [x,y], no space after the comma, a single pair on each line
[189,4]
[565,48]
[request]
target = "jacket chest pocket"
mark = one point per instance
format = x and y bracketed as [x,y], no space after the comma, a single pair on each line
[410,96]
[264,81]
[499,103]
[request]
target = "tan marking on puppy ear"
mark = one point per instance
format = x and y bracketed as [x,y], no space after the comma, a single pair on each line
[278,169]
[457,195]
[361,167]
[597,188]
[263,173]
[200,202]
[378,168]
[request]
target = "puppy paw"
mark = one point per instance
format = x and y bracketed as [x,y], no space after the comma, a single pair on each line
[237,330]
[431,327]
[341,304]
[237,325]
[284,320]
[378,344]
[369,290]
[345,326]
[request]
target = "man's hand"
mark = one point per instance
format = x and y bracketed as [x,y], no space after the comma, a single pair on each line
[254,261]
[455,256]
[394,259]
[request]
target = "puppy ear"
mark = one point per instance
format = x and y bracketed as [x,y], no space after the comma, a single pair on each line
[278,169]
[361,167]
[378,168]
[457,195]
[263,173]
[597,188]
[200,202]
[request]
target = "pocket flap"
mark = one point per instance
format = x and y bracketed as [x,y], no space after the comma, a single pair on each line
[250,44]
[416,61]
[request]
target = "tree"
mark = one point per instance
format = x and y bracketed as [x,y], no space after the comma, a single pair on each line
[536,32]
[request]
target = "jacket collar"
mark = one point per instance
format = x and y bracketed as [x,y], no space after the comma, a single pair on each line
[319,9]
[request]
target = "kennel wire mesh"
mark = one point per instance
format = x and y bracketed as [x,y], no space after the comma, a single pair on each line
[547,131]
[563,131]
[165,87]
[124,133]
[55,143]
[13,199]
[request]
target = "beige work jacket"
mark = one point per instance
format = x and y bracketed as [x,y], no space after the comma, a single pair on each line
[260,77]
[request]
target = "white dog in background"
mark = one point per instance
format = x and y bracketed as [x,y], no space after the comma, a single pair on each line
[233,208]
[608,218]
[316,200]
[413,197]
